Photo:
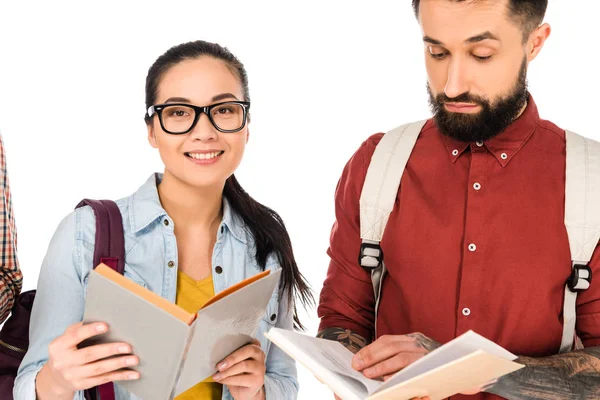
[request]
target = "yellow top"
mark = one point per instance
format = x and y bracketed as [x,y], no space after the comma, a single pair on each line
[191,296]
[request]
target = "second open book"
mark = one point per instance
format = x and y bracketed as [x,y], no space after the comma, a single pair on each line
[465,363]
[176,349]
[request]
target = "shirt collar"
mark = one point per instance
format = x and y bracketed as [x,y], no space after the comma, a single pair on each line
[144,205]
[233,222]
[505,145]
[145,208]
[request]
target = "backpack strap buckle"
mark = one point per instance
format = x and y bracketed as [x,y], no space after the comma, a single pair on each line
[370,255]
[580,278]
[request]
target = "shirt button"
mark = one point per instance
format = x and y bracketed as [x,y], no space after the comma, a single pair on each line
[466,312]
[166,222]
[171,264]
[472,247]
[273,316]
[219,270]
[503,156]
[476,186]
[454,152]
[222,229]
[479,144]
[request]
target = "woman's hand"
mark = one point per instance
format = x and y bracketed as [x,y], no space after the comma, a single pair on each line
[70,369]
[243,371]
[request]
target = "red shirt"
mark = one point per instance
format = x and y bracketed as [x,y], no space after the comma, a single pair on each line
[476,241]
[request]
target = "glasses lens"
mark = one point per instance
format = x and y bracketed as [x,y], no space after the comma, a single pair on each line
[177,119]
[228,116]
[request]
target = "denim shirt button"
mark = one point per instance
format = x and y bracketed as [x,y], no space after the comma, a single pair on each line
[218,270]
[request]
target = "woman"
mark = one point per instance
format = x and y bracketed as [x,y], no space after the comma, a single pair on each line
[189,233]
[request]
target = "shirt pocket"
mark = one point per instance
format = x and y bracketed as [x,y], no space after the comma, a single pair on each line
[128,273]
[132,275]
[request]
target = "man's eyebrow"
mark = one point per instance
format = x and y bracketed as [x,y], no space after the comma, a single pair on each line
[487,35]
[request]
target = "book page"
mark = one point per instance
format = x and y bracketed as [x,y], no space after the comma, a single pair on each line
[330,354]
[463,345]
[449,379]
[224,326]
[235,288]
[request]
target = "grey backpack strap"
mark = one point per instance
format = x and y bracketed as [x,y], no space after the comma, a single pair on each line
[582,220]
[379,195]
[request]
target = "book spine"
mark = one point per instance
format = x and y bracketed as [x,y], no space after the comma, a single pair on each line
[182,360]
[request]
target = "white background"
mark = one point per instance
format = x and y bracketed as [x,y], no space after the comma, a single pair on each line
[323,77]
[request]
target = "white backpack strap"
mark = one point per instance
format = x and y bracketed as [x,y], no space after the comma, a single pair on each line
[379,195]
[582,220]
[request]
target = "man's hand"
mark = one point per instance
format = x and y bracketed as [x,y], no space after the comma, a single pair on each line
[391,353]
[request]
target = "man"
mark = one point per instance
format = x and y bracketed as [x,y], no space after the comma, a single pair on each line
[476,239]
[10,274]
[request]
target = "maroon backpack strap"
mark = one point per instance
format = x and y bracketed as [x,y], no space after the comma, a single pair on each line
[110,246]
[109,249]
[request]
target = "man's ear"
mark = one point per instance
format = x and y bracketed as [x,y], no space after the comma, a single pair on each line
[536,41]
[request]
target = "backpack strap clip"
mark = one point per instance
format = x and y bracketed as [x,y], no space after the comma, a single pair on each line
[580,279]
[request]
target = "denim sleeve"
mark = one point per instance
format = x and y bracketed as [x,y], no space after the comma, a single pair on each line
[59,302]
[281,380]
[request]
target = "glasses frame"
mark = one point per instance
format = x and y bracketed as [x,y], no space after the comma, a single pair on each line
[158,109]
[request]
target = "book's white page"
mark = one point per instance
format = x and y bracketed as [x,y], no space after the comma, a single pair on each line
[329,354]
[463,345]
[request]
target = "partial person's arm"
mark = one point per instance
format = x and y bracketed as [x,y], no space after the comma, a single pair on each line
[11,278]
[58,304]
[347,304]
[574,375]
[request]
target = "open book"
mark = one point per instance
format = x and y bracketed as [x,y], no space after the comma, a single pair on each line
[467,362]
[176,349]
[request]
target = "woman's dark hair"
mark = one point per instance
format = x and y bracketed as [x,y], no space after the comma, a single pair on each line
[265,225]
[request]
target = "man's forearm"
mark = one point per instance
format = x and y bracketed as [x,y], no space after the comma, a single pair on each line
[574,375]
[351,340]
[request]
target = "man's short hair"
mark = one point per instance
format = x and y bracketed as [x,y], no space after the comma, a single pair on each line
[528,14]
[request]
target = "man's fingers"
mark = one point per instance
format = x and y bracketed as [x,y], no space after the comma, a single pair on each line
[384,348]
[480,388]
[391,365]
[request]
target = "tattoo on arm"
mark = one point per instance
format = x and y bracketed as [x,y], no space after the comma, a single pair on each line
[352,341]
[574,375]
[424,342]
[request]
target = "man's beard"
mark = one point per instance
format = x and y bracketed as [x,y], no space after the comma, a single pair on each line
[485,124]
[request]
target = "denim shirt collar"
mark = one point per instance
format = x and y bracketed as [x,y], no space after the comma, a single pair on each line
[145,208]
